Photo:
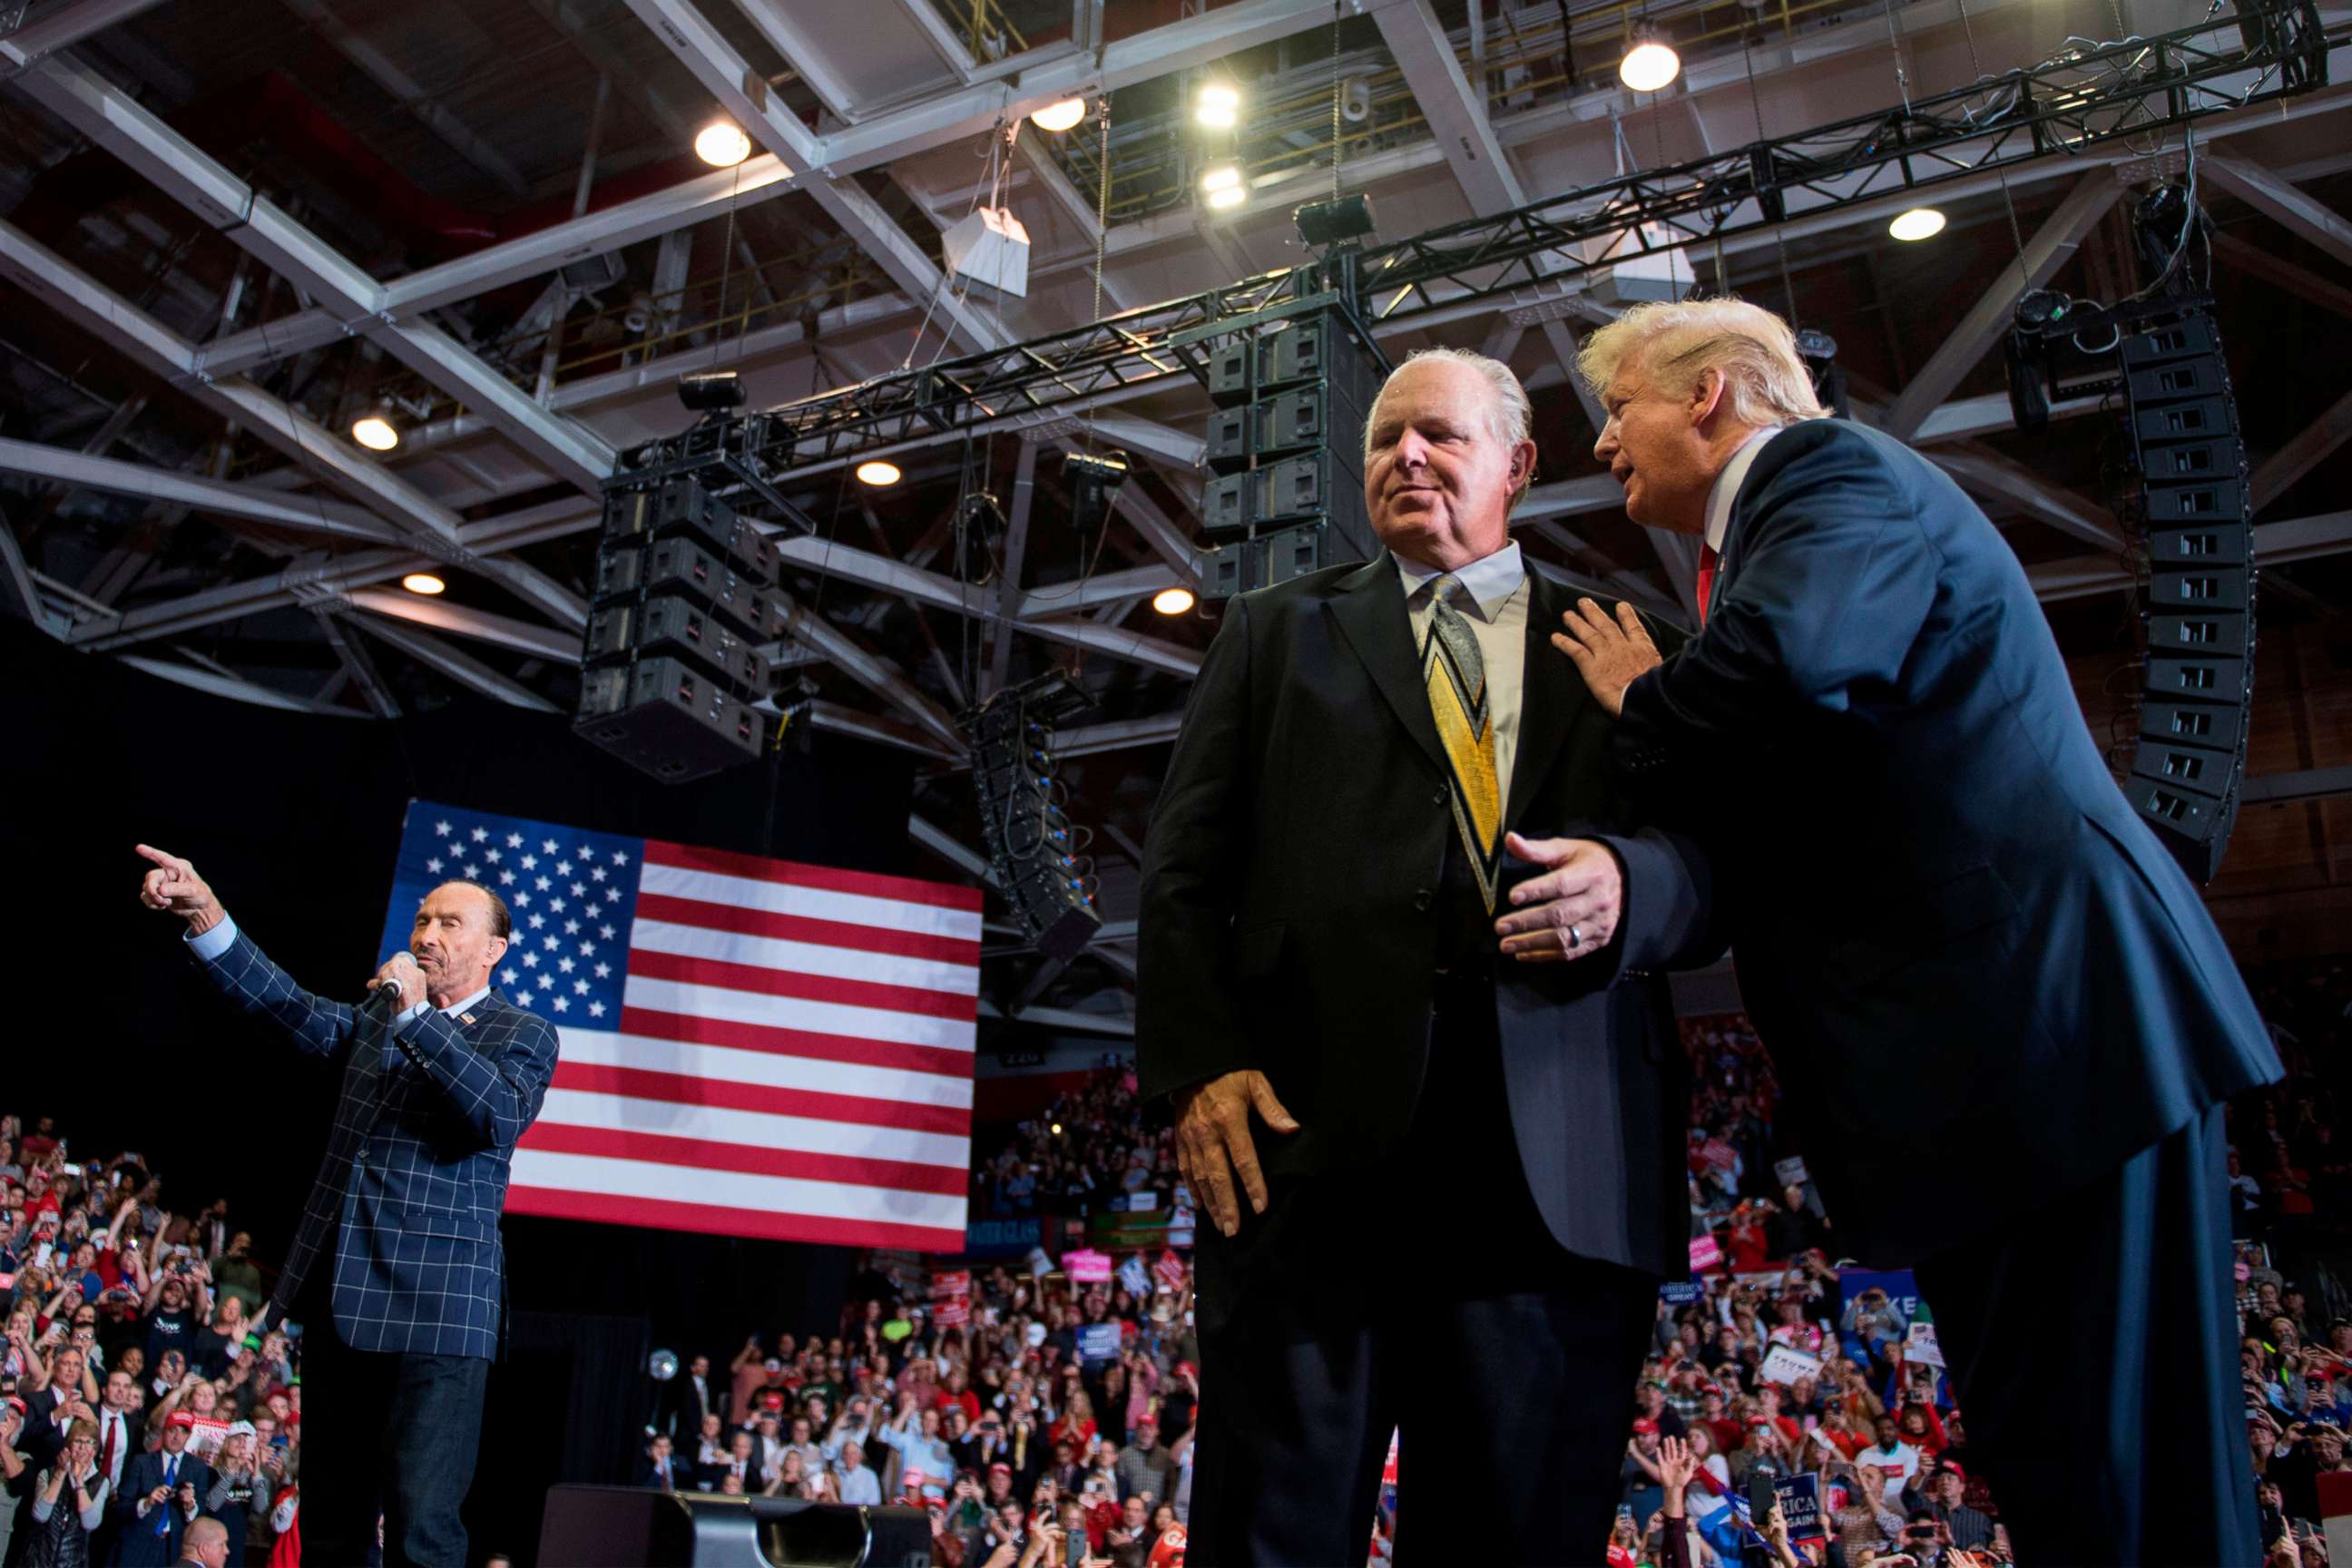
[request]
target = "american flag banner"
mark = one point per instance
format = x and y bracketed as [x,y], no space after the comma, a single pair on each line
[750,1046]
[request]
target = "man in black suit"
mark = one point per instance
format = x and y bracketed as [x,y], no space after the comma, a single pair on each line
[1990,993]
[1467,1087]
[161,1493]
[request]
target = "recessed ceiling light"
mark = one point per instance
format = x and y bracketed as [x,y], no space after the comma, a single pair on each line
[1218,105]
[1060,116]
[1649,64]
[1172,601]
[875,471]
[374,432]
[1920,223]
[423,583]
[722,145]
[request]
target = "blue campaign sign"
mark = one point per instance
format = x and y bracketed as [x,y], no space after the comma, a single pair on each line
[1681,1292]
[1801,1504]
[1901,1288]
[1099,1342]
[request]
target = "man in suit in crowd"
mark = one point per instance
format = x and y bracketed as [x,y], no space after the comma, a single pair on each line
[396,1268]
[690,1397]
[1408,1041]
[161,1492]
[1988,991]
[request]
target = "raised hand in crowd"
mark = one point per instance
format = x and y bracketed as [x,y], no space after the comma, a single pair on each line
[1676,1468]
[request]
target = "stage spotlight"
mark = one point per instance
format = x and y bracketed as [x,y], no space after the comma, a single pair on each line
[722,145]
[1218,106]
[1918,223]
[1092,477]
[1334,222]
[1651,63]
[1222,186]
[1060,116]
[374,432]
[875,472]
[709,391]
[423,583]
[1172,601]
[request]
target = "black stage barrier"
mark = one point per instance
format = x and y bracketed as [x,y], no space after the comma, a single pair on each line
[637,1527]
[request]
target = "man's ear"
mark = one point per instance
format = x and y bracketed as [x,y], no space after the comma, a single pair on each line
[1706,395]
[1523,465]
[498,951]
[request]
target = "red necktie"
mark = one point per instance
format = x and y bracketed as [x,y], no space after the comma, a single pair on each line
[106,1452]
[1706,560]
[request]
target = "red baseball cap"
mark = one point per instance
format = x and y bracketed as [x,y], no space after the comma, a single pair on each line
[179,1418]
[1645,1427]
[1952,1468]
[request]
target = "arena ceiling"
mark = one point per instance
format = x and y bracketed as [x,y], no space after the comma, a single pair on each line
[233,229]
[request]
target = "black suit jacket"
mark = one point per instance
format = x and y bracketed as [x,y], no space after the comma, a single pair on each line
[1981,978]
[1290,901]
[139,1545]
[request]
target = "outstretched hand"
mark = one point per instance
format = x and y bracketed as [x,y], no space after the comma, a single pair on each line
[1610,654]
[173,884]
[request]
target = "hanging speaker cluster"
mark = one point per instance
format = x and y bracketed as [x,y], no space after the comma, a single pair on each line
[1033,853]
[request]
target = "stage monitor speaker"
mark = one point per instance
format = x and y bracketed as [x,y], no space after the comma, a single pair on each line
[638,1527]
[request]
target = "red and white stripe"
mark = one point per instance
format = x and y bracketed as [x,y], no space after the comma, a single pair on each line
[793,1060]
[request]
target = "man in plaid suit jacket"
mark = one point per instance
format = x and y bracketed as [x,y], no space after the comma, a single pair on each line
[396,1271]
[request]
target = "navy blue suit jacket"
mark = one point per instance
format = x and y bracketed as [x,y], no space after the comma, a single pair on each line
[139,1545]
[1289,911]
[415,1176]
[1980,977]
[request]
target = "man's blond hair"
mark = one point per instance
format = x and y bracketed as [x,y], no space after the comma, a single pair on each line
[1676,342]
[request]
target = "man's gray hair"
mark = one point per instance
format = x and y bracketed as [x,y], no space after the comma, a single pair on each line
[1764,381]
[1511,419]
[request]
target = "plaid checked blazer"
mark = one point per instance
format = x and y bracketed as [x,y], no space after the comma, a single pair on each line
[415,1176]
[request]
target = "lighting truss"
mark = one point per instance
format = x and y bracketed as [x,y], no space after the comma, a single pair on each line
[2086,96]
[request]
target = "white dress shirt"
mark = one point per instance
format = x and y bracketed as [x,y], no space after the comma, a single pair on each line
[1725,493]
[222,937]
[1495,602]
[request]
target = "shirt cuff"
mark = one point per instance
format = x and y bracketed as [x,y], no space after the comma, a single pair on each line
[213,943]
[409,1015]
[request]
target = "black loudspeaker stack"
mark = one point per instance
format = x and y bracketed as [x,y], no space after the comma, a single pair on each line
[685,602]
[2191,501]
[1287,447]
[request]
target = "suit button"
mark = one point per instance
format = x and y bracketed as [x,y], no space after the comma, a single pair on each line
[1438,798]
[1423,899]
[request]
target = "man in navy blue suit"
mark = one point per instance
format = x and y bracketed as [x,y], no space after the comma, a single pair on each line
[1988,991]
[161,1495]
[397,1271]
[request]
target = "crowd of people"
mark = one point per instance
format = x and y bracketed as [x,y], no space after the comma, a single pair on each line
[141,1415]
[1030,1441]
[1091,1146]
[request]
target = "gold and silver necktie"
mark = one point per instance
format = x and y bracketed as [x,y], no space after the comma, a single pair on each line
[1455,674]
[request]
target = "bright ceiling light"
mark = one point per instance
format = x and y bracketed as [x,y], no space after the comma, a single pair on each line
[1920,223]
[1218,106]
[1222,186]
[722,145]
[1649,64]
[423,583]
[1060,116]
[374,432]
[1172,601]
[875,471]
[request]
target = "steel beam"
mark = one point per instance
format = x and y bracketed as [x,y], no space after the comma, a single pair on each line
[2284,789]
[357,664]
[80,471]
[1988,473]
[463,669]
[1134,646]
[232,685]
[1991,316]
[62,26]
[429,111]
[2276,199]
[182,171]
[743,93]
[869,669]
[20,579]
[2311,447]
[463,620]
[1118,734]
[874,727]
[1456,114]
[2301,282]
[2275,544]
[946,845]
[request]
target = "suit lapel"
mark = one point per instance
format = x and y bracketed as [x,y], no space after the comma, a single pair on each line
[1550,695]
[1370,614]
